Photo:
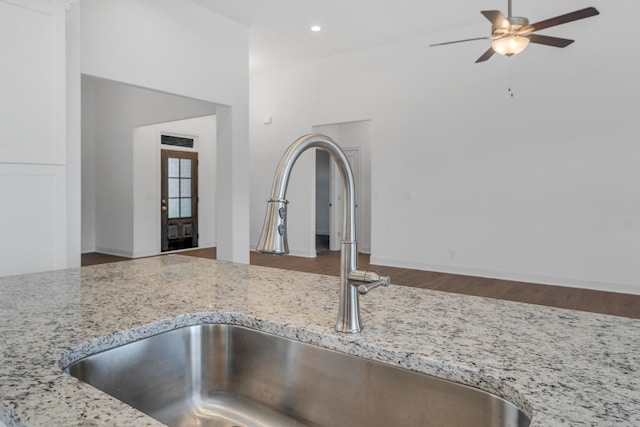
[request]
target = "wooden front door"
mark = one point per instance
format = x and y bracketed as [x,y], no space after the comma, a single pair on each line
[179,200]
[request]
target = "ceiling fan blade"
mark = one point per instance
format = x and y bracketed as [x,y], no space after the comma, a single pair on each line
[488,54]
[496,17]
[549,41]
[460,41]
[562,19]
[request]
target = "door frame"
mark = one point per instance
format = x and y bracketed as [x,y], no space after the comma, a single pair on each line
[193,154]
[337,202]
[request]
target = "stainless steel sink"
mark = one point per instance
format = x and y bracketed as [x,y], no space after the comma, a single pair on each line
[224,376]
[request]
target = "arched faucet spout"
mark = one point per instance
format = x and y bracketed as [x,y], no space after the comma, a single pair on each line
[273,239]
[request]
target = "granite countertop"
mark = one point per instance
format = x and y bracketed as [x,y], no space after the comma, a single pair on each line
[562,367]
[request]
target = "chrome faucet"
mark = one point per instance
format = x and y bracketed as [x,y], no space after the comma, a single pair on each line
[273,239]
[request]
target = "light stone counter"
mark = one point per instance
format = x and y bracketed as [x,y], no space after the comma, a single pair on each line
[565,368]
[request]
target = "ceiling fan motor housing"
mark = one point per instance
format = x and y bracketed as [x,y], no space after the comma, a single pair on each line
[511,25]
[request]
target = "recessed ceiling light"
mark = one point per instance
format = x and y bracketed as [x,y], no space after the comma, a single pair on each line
[316,28]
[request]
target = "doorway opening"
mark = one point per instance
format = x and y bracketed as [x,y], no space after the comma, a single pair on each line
[323,201]
[179,200]
[355,140]
[121,149]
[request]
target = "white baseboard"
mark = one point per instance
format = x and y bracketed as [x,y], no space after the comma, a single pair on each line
[303,254]
[541,279]
[293,252]
[145,253]
[115,252]
[152,252]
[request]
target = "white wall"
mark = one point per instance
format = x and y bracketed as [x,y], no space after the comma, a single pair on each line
[115,110]
[146,181]
[539,186]
[183,49]
[88,167]
[74,136]
[40,136]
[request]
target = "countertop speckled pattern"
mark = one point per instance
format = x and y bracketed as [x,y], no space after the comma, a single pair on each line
[565,368]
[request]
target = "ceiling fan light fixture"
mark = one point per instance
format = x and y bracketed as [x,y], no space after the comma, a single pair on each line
[510,45]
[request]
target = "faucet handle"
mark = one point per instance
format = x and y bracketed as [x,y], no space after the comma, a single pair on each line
[371,277]
[365,289]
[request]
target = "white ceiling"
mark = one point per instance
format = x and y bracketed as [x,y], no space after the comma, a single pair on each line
[280,35]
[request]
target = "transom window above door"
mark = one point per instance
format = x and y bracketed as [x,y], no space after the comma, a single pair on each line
[177,141]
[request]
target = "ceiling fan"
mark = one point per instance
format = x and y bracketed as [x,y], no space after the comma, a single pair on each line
[510,35]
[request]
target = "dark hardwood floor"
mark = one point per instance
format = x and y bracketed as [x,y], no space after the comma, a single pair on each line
[95,258]
[554,296]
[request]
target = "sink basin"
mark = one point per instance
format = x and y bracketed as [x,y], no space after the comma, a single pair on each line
[225,376]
